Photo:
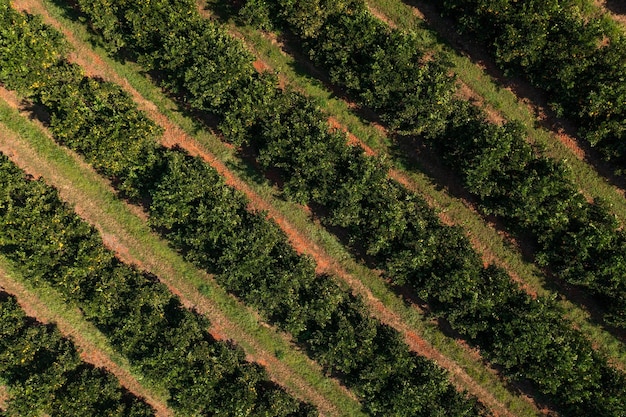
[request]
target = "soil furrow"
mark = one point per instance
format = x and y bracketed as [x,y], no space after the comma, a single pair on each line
[4,396]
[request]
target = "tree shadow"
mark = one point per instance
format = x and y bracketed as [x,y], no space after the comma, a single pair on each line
[616,6]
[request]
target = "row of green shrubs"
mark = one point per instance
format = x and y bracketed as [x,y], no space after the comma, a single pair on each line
[166,343]
[527,337]
[44,373]
[389,71]
[209,223]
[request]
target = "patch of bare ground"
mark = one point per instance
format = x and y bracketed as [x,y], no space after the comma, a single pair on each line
[117,239]
[34,307]
[4,397]
[466,93]
[536,101]
[381,16]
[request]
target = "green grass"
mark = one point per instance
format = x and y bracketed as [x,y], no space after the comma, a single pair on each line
[116,215]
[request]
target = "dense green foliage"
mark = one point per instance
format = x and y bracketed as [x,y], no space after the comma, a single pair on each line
[190,205]
[533,194]
[168,344]
[45,375]
[566,47]
[524,336]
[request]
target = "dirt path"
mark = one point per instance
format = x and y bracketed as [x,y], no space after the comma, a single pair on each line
[124,244]
[4,397]
[34,307]
[175,136]
[381,16]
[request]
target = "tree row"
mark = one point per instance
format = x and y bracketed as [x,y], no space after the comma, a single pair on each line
[390,71]
[189,204]
[527,337]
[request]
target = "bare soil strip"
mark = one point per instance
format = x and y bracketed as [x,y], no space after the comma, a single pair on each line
[34,307]
[174,135]
[125,246]
[4,396]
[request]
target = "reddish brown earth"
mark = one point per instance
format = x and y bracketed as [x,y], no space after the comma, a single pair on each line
[34,307]
[4,396]
[381,16]
[465,92]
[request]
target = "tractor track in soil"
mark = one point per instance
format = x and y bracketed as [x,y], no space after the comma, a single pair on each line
[173,135]
[88,351]
[4,397]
